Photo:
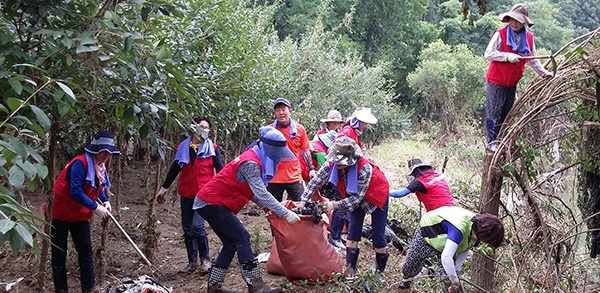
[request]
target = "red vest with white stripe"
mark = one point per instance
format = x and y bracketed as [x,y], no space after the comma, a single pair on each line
[379,187]
[225,190]
[193,178]
[64,207]
[438,193]
[507,74]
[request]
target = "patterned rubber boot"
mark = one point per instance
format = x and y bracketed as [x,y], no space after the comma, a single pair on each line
[251,274]
[216,279]
[380,263]
[351,259]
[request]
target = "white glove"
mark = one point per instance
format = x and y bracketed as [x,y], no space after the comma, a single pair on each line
[512,57]
[291,217]
[160,195]
[102,212]
[106,204]
[327,206]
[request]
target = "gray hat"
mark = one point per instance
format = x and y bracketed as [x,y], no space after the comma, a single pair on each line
[344,151]
[519,12]
[328,138]
[414,164]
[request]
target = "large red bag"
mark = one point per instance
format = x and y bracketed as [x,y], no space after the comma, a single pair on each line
[303,249]
[274,263]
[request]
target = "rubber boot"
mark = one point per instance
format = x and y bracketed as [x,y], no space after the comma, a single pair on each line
[86,273]
[380,263]
[351,259]
[216,278]
[192,254]
[202,243]
[335,233]
[59,277]
[405,284]
[251,274]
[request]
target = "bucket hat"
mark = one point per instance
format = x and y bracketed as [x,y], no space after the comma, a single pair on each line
[103,141]
[414,164]
[333,116]
[519,12]
[364,114]
[282,101]
[275,146]
[344,151]
[328,139]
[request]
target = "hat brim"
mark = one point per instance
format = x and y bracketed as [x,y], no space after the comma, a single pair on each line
[324,138]
[505,17]
[331,120]
[278,153]
[334,156]
[98,148]
[366,117]
[412,169]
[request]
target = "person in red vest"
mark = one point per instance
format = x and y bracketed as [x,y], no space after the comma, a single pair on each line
[504,52]
[364,190]
[357,123]
[76,191]
[332,122]
[197,159]
[243,179]
[430,186]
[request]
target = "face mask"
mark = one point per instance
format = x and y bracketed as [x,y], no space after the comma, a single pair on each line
[204,133]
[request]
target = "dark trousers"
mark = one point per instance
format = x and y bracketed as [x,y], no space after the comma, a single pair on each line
[378,223]
[498,102]
[338,218]
[294,190]
[233,235]
[80,233]
[194,233]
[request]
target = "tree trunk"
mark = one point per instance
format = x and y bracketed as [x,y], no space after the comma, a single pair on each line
[489,202]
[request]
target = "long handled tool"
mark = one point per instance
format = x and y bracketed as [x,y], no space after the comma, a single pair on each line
[137,249]
[543,57]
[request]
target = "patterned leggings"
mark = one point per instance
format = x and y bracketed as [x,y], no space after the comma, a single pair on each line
[418,252]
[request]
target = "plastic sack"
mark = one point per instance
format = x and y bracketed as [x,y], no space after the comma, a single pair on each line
[303,249]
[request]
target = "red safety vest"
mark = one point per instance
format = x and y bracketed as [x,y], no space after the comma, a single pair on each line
[507,74]
[65,208]
[225,190]
[348,131]
[438,193]
[379,187]
[193,178]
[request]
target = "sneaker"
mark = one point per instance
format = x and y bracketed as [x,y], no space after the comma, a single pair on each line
[336,243]
[492,147]
[205,265]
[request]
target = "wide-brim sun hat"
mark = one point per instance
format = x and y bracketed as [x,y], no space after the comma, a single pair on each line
[275,146]
[344,151]
[414,164]
[103,141]
[328,139]
[364,114]
[519,12]
[333,116]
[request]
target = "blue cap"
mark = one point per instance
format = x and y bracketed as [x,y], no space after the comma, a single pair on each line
[103,141]
[275,145]
[282,101]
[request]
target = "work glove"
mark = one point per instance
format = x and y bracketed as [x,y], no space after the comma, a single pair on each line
[291,217]
[102,212]
[107,205]
[312,174]
[326,206]
[512,57]
[160,195]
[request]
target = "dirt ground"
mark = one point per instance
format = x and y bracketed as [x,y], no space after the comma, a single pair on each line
[122,260]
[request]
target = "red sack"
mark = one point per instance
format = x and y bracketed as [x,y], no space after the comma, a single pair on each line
[305,170]
[303,249]
[274,263]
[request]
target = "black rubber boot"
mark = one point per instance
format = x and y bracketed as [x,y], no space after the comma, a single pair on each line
[380,263]
[59,277]
[216,278]
[351,259]
[251,274]
[192,254]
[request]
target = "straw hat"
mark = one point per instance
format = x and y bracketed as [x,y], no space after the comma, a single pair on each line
[333,116]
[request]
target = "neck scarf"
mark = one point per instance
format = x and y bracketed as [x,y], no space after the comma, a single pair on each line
[523,46]
[206,149]
[94,171]
[352,180]
[292,127]
[268,166]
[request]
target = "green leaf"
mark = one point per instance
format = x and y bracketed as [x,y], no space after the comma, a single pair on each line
[63,110]
[16,177]
[42,170]
[127,44]
[66,89]
[15,242]
[13,104]
[24,233]
[85,49]
[42,118]
[163,54]
[15,83]
[6,225]
[144,131]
